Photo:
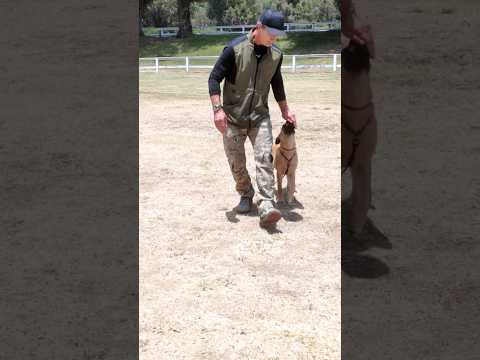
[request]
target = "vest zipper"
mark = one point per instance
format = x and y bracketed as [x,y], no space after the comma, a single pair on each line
[253,95]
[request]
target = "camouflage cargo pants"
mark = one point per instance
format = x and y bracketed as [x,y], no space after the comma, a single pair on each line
[261,138]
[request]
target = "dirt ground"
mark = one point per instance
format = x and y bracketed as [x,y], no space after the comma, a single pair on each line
[417,300]
[213,284]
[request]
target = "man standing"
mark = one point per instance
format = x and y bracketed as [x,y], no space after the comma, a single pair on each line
[249,65]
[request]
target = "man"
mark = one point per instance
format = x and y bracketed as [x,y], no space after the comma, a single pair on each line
[251,64]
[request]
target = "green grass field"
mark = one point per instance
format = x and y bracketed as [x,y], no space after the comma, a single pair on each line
[206,45]
[312,87]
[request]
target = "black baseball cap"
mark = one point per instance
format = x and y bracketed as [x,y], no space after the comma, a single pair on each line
[273,21]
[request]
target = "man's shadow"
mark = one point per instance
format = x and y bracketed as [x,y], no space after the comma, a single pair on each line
[358,265]
[287,210]
[232,216]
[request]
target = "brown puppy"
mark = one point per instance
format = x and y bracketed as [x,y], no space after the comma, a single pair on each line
[359,130]
[285,160]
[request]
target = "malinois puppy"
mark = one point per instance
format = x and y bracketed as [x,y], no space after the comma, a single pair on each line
[359,129]
[285,160]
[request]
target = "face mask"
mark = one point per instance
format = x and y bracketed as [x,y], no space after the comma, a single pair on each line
[356,58]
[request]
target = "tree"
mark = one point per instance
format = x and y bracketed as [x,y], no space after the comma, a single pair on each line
[241,12]
[142,5]
[314,10]
[161,13]
[216,10]
[184,17]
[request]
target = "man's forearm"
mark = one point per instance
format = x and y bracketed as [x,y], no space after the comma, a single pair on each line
[283,106]
[215,99]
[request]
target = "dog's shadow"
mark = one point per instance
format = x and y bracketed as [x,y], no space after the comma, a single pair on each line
[287,209]
[288,212]
[359,265]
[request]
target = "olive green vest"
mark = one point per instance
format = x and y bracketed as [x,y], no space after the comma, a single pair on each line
[246,101]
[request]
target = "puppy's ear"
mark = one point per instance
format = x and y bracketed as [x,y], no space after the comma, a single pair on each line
[277,140]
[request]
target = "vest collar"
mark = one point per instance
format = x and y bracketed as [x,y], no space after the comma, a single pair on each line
[250,37]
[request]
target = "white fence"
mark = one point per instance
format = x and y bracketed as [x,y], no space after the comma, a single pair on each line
[293,63]
[242,29]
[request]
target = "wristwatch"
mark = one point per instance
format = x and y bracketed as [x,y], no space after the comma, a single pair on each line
[217,107]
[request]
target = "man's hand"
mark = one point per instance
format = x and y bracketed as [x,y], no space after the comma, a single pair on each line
[363,35]
[286,113]
[220,119]
[290,117]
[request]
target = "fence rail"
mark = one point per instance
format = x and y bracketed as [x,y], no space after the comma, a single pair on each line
[242,29]
[290,62]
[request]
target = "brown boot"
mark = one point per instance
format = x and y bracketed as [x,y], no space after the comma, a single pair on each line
[270,217]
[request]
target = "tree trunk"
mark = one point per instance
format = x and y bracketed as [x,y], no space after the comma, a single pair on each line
[141,4]
[184,21]
[140,27]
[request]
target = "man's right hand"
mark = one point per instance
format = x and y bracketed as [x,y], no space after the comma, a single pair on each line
[220,119]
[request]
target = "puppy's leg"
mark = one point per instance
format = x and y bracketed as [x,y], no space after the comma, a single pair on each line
[361,177]
[279,187]
[290,187]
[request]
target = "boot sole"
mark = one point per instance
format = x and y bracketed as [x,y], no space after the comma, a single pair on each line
[271,218]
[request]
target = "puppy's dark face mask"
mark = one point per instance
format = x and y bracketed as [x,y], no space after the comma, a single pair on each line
[288,128]
[356,58]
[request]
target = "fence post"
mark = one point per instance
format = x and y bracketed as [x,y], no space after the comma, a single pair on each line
[294,58]
[156,64]
[186,62]
[243,29]
[334,62]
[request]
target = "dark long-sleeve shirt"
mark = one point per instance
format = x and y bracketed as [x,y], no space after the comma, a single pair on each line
[225,68]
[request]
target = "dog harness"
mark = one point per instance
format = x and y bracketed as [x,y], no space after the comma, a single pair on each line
[286,158]
[356,134]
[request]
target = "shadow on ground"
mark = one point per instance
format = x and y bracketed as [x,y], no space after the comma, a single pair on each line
[288,214]
[232,215]
[359,265]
